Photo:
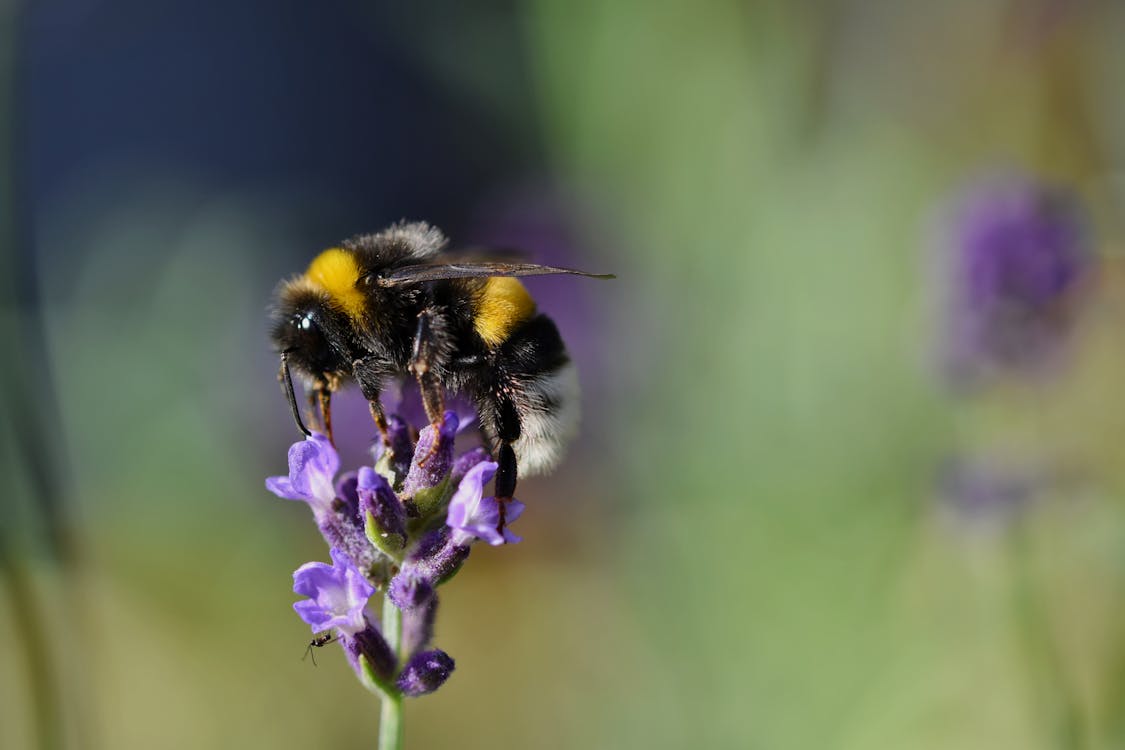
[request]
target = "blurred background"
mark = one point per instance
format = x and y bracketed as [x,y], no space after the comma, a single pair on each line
[850,470]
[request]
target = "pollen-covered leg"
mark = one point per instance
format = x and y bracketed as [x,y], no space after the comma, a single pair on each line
[434,401]
[421,366]
[376,407]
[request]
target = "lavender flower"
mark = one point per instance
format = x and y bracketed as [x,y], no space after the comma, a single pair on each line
[987,491]
[471,515]
[1020,257]
[312,465]
[338,595]
[404,526]
[436,558]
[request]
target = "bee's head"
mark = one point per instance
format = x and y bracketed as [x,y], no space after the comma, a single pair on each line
[308,334]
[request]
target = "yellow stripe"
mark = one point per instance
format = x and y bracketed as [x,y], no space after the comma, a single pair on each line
[336,272]
[503,304]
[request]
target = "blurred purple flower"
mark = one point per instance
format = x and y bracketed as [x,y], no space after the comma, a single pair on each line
[985,490]
[1020,254]
[338,595]
[471,515]
[551,224]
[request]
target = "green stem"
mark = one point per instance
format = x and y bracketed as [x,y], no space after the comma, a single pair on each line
[390,718]
[1059,704]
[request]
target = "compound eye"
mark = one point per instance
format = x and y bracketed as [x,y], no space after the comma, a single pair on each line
[309,339]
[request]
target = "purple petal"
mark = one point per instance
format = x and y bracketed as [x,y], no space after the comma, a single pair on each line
[472,516]
[312,465]
[283,488]
[338,594]
[312,577]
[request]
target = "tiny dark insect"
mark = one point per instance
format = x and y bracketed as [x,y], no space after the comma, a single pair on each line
[319,642]
[395,304]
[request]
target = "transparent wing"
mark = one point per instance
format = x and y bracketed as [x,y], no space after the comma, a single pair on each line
[474,269]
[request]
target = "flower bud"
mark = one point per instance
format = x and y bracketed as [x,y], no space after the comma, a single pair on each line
[433,458]
[435,559]
[383,514]
[425,672]
[371,657]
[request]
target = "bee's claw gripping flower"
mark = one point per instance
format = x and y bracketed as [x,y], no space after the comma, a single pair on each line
[425,672]
[473,516]
[338,595]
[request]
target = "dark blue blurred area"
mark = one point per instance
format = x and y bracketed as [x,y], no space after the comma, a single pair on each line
[334,100]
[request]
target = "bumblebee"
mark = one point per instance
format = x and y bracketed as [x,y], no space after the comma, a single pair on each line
[397,303]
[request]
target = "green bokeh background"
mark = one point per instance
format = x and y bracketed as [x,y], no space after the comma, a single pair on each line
[745,547]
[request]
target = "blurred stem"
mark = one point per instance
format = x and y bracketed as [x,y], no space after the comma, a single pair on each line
[390,718]
[1052,688]
[32,643]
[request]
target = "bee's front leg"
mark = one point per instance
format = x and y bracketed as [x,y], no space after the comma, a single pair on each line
[370,378]
[321,399]
[422,363]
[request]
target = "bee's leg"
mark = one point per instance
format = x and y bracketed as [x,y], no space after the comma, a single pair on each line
[323,395]
[367,374]
[313,412]
[376,407]
[507,432]
[421,363]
